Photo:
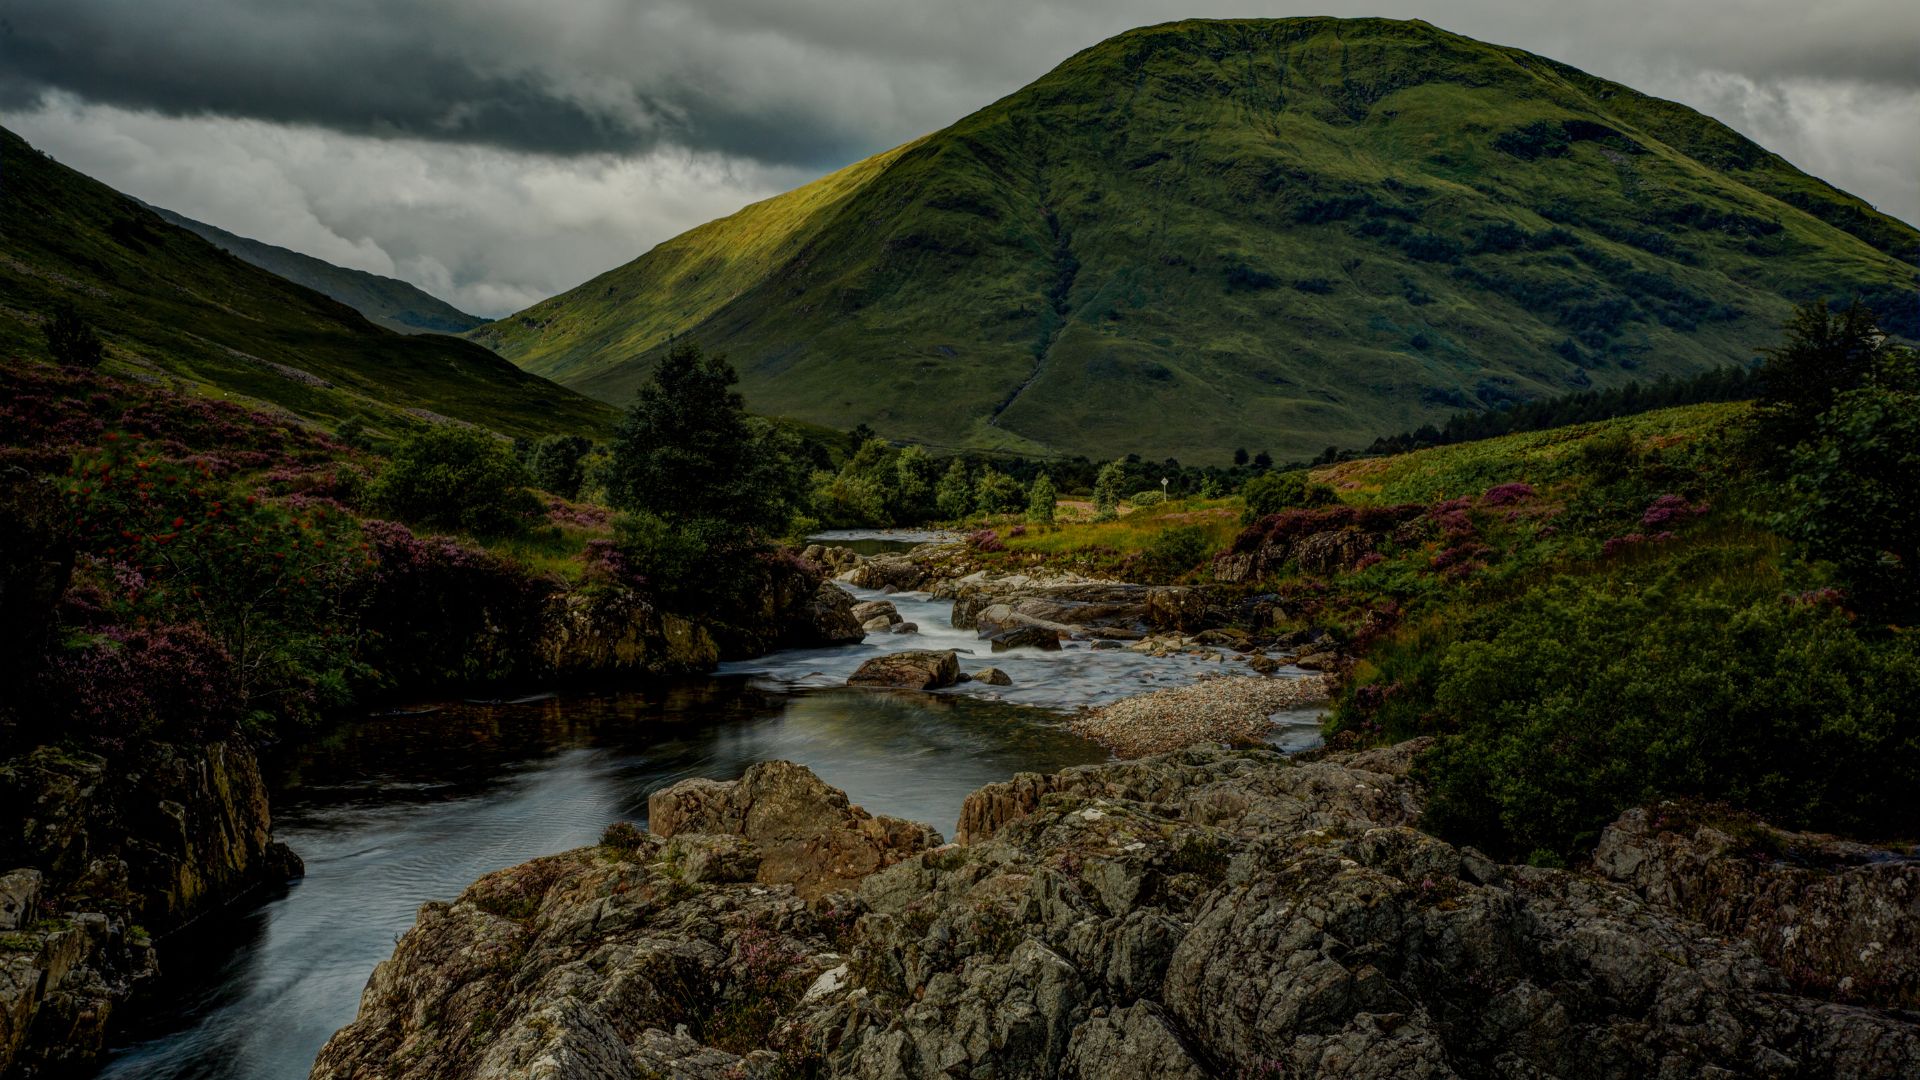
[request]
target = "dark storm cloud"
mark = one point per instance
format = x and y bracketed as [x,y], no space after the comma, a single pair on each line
[448,72]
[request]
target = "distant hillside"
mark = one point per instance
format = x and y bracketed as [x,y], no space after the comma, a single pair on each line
[390,302]
[171,304]
[1275,234]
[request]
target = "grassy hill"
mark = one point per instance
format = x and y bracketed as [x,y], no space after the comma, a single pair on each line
[173,307]
[1280,234]
[385,301]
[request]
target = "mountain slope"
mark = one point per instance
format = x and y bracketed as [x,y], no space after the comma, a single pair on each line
[385,301]
[1276,234]
[170,304]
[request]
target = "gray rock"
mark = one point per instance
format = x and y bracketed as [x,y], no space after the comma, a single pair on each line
[19,895]
[993,676]
[905,628]
[869,610]
[1026,637]
[911,669]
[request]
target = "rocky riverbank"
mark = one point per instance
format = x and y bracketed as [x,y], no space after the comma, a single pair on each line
[1207,913]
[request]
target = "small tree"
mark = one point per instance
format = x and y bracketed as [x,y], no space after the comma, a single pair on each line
[71,341]
[1106,490]
[913,484]
[954,494]
[1824,354]
[558,464]
[1040,499]
[994,492]
[688,451]
[452,477]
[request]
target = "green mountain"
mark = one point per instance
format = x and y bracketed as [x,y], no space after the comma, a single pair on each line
[1280,234]
[170,305]
[389,302]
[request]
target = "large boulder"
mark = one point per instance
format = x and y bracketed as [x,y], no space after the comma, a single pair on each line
[827,618]
[910,669]
[806,834]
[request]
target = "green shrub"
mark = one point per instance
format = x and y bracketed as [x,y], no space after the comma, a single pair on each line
[70,341]
[1584,698]
[1270,493]
[558,464]
[1177,550]
[458,478]
[1148,498]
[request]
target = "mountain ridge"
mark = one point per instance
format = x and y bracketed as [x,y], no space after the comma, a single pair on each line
[1285,233]
[171,306]
[398,305]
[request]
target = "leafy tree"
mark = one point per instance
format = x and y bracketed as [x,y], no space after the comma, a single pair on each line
[1263,461]
[954,493]
[1106,490]
[994,492]
[688,451]
[558,464]
[1040,500]
[1240,457]
[860,436]
[447,476]
[1825,353]
[70,341]
[914,477]
[1854,502]
[1270,493]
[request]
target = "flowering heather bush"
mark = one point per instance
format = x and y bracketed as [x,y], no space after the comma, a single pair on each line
[181,546]
[173,680]
[985,540]
[1290,525]
[1671,510]
[1462,559]
[1506,494]
[580,517]
[49,414]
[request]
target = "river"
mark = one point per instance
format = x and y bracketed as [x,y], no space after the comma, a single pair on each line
[394,810]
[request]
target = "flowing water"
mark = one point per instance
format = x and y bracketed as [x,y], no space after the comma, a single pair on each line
[395,810]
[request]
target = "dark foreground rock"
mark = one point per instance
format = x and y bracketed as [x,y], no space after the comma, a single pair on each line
[1201,914]
[911,669]
[105,853]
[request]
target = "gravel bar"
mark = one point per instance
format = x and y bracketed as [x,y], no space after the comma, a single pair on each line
[1234,709]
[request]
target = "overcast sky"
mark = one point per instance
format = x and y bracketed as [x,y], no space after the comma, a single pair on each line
[495,152]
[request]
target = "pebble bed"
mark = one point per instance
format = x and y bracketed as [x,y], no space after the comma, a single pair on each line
[1233,709]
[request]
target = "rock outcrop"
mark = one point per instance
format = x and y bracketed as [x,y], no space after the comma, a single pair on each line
[1201,914]
[105,848]
[910,669]
[802,832]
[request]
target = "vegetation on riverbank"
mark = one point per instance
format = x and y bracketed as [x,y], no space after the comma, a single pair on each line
[1713,601]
